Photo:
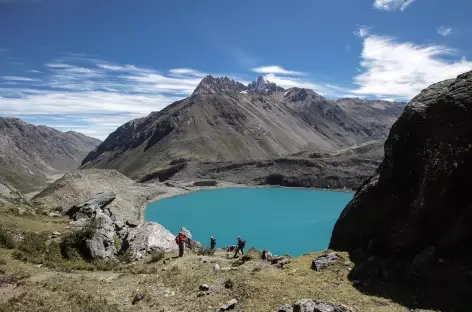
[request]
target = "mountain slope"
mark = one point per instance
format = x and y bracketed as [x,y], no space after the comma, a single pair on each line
[28,153]
[224,120]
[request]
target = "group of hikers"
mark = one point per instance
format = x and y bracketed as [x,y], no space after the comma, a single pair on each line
[182,238]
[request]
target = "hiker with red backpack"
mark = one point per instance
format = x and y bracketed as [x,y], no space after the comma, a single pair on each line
[180,240]
[240,246]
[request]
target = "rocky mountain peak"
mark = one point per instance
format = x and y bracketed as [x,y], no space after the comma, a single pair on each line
[262,86]
[213,85]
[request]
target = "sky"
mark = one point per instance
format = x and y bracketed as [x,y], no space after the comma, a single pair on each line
[92,65]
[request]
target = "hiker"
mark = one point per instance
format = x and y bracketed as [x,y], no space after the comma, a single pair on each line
[180,241]
[240,246]
[212,243]
[266,255]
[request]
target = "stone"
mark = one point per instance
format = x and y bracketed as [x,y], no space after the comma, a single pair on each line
[324,261]
[229,284]
[89,208]
[228,305]
[419,196]
[308,305]
[138,297]
[203,293]
[425,257]
[55,234]
[216,268]
[204,287]
[102,243]
[150,237]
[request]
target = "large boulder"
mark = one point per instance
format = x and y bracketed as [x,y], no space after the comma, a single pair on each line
[150,237]
[308,305]
[90,207]
[103,244]
[419,196]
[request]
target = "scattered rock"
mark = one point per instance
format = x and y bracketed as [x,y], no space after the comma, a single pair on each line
[132,223]
[324,261]
[229,284]
[89,208]
[56,234]
[204,287]
[203,293]
[138,297]
[216,268]
[308,305]
[228,305]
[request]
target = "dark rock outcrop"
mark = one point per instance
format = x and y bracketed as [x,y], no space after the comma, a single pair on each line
[308,305]
[418,197]
[409,227]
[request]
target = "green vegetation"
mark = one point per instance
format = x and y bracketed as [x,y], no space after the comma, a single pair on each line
[6,239]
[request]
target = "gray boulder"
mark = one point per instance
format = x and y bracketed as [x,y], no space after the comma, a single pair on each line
[150,237]
[89,208]
[103,244]
[308,305]
[228,305]
[322,262]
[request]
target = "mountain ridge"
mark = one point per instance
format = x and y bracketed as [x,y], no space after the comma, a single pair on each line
[29,153]
[223,120]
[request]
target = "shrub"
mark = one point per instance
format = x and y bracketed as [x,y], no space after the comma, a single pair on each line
[157,256]
[3,261]
[73,245]
[6,239]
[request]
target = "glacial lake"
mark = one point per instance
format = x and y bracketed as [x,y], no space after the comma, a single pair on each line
[283,220]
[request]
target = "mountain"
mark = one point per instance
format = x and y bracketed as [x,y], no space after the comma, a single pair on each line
[29,153]
[223,120]
[416,210]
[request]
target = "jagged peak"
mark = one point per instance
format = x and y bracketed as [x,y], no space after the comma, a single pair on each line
[263,86]
[213,85]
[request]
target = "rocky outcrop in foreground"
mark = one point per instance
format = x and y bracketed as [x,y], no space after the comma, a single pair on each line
[112,235]
[308,305]
[418,198]
[416,209]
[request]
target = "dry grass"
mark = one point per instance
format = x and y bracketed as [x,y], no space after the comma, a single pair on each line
[167,285]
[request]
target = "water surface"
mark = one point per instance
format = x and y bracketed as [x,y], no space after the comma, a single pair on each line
[282,220]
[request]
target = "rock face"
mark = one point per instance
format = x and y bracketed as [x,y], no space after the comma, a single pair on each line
[225,121]
[308,305]
[29,154]
[150,237]
[417,203]
[113,235]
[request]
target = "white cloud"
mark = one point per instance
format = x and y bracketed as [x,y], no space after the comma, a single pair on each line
[17,78]
[391,5]
[276,70]
[95,97]
[403,69]
[362,31]
[187,71]
[444,31]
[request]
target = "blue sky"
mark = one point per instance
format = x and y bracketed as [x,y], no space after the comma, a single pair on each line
[92,65]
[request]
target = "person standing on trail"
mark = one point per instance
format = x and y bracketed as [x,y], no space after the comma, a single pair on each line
[240,246]
[212,243]
[180,240]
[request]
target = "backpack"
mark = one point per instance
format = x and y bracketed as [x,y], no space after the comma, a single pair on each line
[180,239]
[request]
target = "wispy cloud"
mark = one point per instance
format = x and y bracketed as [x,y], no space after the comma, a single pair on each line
[362,30]
[402,69]
[392,5]
[444,31]
[93,96]
[17,78]
[4,50]
[275,69]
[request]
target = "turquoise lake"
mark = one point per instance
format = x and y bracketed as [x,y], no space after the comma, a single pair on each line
[283,220]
